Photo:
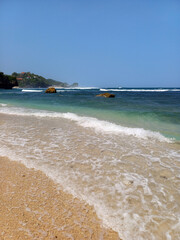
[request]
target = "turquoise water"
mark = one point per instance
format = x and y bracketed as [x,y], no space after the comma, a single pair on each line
[153,109]
[116,154]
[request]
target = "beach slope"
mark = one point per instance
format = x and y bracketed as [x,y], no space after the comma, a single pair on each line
[33,207]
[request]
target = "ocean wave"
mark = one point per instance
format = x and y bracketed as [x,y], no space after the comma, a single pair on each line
[3,104]
[62,90]
[140,90]
[100,126]
[31,90]
[81,88]
[65,90]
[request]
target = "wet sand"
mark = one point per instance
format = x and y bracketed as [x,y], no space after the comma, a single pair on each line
[32,206]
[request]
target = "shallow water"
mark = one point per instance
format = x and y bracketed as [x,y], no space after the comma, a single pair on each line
[151,109]
[120,155]
[131,179]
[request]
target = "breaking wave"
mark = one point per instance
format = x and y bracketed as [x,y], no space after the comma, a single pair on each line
[100,126]
[31,90]
[140,90]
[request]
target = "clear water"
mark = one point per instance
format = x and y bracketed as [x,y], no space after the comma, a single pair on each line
[153,109]
[121,155]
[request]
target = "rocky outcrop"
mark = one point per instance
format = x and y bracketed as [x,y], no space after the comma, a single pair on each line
[107,95]
[50,90]
[73,85]
[7,81]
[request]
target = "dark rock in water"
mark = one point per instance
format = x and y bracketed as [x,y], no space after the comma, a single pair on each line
[50,90]
[107,95]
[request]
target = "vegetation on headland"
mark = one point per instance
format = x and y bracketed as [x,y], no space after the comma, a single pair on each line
[31,80]
[7,81]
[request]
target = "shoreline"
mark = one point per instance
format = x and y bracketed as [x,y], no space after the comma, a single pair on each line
[120,176]
[33,207]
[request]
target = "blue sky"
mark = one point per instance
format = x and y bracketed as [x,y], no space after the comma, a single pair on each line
[103,43]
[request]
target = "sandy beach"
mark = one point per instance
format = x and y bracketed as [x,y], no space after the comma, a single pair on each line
[32,206]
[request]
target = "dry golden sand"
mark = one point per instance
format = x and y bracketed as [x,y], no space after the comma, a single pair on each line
[32,207]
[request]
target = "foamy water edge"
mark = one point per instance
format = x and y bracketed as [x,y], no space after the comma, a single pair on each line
[88,122]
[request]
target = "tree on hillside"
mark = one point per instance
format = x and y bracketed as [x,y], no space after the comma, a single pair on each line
[7,81]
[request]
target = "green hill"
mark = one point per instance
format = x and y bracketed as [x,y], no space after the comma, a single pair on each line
[31,80]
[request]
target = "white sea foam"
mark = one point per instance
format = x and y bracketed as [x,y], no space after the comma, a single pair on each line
[89,122]
[31,90]
[60,90]
[111,128]
[65,90]
[82,88]
[3,104]
[139,90]
[175,90]
[132,194]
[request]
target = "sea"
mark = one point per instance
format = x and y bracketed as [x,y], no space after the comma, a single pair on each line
[120,155]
